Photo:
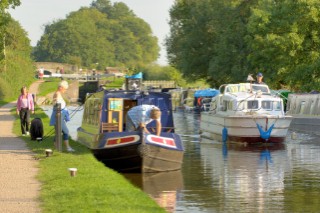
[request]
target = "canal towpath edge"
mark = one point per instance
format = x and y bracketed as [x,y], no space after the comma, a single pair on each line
[19,187]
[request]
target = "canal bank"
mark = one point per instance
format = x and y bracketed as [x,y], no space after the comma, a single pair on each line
[24,166]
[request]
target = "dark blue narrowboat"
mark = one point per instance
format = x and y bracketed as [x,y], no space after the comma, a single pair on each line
[103,130]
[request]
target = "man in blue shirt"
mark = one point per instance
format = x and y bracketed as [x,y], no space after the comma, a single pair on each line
[259,79]
[140,116]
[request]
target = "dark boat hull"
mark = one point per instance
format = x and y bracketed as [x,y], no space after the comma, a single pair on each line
[140,156]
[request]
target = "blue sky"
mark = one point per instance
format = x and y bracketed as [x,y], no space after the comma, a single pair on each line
[34,14]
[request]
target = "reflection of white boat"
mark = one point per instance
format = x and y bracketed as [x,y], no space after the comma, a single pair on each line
[253,175]
[245,113]
[305,109]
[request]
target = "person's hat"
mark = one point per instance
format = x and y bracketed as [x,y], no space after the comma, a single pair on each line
[259,74]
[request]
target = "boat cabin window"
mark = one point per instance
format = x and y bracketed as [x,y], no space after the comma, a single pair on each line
[115,112]
[277,105]
[267,105]
[253,105]
[263,89]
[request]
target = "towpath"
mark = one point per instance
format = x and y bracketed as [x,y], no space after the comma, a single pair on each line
[19,188]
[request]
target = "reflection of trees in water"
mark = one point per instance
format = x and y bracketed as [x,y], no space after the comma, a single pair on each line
[92,112]
[186,123]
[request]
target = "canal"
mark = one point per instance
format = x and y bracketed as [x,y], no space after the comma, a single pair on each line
[218,177]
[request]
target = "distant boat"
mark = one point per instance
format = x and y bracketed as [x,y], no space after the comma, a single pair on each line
[103,131]
[305,110]
[245,113]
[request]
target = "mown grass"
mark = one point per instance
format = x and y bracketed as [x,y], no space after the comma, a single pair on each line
[114,82]
[50,85]
[95,188]
[3,102]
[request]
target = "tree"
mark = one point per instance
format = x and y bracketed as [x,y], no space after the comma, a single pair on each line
[207,39]
[224,41]
[4,19]
[19,66]
[110,35]
[284,39]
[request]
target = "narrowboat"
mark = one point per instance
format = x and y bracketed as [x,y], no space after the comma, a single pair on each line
[103,130]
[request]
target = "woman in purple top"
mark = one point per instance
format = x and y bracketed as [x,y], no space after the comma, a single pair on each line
[25,105]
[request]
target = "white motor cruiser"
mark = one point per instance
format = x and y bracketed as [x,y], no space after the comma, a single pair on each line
[245,112]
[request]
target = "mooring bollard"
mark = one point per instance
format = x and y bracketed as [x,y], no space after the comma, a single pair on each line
[73,171]
[48,152]
[58,127]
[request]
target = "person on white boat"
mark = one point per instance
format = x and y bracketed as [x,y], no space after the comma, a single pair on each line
[140,116]
[259,79]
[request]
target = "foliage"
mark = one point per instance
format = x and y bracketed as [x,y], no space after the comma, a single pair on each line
[5,4]
[17,68]
[4,19]
[285,42]
[48,86]
[103,34]
[168,73]
[224,41]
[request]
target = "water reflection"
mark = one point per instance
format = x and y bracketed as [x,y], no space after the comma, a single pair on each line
[223,177]
[163,187]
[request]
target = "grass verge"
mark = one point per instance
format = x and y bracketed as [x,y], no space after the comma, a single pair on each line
[95,188]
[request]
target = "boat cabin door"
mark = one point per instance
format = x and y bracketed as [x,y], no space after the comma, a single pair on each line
[127,105]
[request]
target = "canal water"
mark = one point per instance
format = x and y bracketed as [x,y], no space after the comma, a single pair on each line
[217,177]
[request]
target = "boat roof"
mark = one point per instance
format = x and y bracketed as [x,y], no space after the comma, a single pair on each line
[146,96]
[206,93]
[243,87]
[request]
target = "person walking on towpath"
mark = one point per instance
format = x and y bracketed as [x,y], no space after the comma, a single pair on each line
[25,105]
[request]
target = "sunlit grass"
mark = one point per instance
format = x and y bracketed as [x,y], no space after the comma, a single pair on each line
[50,85]
[95,188]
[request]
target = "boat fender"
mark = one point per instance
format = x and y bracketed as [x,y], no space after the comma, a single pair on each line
[224,134]
[265,134]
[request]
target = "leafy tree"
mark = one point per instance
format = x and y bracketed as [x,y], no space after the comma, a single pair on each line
[207,39]
[166,73]
[224,41]
[4,19]
[18,68]
[285,42]
[110,35]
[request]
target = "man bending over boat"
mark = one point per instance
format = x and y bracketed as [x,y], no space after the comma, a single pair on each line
[140,116]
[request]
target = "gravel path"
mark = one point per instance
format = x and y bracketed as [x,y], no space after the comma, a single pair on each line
[19,188]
